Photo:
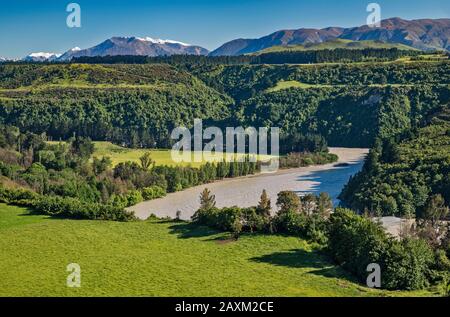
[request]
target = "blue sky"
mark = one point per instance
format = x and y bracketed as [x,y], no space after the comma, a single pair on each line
[40,25]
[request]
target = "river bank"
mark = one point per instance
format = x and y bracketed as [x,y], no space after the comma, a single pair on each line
[246,191]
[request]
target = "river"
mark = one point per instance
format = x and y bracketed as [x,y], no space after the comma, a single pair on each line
[246,191]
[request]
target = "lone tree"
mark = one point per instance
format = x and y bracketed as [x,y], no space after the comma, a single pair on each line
[309,204]
[207,201]
[264,206]
[146,161]
[236,228]
[288,201]
[324,205]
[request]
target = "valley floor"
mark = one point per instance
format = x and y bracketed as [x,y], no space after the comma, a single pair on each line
[151,258]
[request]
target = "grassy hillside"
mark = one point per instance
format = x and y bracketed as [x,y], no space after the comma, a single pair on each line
[160,259]
[334,44]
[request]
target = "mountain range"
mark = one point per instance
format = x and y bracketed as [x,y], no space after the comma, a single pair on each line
[423,34]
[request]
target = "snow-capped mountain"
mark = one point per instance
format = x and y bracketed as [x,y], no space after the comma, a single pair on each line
[146,46]
[41,57]
[143,46]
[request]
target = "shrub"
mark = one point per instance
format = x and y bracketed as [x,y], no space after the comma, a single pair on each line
[134,197]
[20,197]
[354,241]
[74,209]
[226,218]
[291,223]
[253,221]
[153,192]
[129,199]
[406,265]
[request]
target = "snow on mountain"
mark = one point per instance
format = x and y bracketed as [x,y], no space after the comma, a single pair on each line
[159,41]
[41,57]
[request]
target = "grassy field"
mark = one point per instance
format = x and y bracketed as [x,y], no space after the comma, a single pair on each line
[159,259]
[120,154]
[286,84]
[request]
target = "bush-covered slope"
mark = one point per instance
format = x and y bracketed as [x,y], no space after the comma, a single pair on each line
[245,81]
[139,104]
[400,176]
[131,104]
[352,116]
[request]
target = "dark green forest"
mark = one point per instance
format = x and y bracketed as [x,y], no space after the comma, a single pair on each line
[138,105]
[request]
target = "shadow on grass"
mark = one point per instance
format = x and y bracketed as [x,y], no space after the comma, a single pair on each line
[294,258]
[306,259]
[28,212]
[187,230]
